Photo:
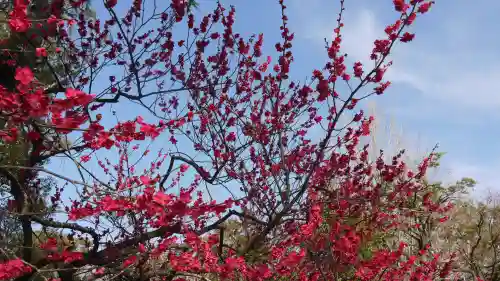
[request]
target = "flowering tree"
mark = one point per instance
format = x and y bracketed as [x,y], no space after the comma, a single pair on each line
[228,118]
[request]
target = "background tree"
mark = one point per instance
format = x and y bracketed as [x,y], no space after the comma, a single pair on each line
[472,233]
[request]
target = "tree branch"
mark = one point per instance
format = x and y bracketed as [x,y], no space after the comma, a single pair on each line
[193,164]
[72,226]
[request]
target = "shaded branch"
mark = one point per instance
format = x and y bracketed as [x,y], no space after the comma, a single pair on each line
[72,226]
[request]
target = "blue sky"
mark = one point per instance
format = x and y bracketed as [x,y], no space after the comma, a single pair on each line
[444,83]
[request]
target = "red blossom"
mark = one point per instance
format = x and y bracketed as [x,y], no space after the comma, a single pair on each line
[129,261]
[400,5]
[12,269]
[184,168]
[24,75]
[18,20]
[323,90]
[407,37]
[424,7]
[41,52]
[111,3]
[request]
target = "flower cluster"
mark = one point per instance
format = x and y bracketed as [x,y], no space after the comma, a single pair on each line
[13,269]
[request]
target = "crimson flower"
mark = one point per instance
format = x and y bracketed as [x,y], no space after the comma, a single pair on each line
[323,90]
[145,180]
[41,52]
[407,37]
[24,75]
[111,3]
[424,8]
[400,5]
[184,168]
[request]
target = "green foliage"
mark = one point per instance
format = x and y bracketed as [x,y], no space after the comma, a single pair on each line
[436,159]
[192,4]
[366,253]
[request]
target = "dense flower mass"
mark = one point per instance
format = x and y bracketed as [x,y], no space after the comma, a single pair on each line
[308,199]
[13,269]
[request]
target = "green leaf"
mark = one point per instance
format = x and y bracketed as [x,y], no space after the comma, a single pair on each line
[365,253]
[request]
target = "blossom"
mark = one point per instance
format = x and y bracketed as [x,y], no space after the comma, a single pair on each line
[99,271]
[111,3]
[443,219]
[407,37]
[85,158]
[323,90]
[184,168]
[162,198]
[52,19]
[129,261]
[424,8]
[13,268]
[400,5]
[24,75]
[18,20]
[41,52]
[145,180]
[70,92]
